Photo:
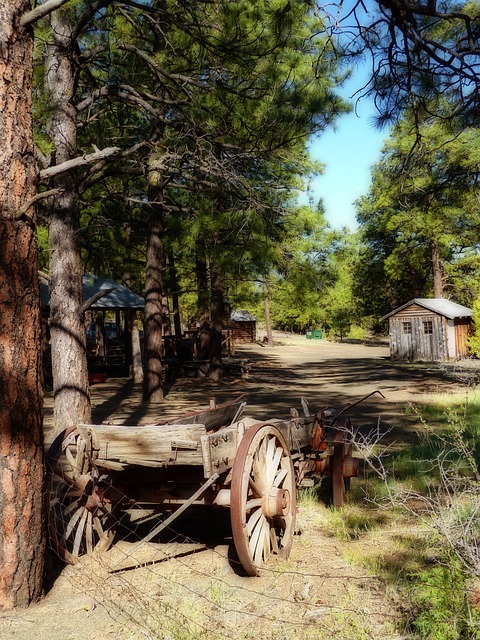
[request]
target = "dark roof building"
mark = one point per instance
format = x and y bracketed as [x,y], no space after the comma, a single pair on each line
[118,297]
[244,326]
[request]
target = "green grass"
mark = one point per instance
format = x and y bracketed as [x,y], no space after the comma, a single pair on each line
[351,522]
[437,474]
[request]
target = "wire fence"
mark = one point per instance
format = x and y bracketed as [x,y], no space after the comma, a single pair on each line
[186,583]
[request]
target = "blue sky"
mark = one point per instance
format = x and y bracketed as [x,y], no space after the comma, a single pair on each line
[348,152]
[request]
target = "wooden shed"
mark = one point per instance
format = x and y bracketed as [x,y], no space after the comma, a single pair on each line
[243,326]
[431,329]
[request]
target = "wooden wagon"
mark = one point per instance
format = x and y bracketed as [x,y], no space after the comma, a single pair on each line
[214,457]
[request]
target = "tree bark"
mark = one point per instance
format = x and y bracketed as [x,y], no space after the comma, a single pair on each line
[177,321]
[437,271]
[134,347]
[22,535]
[215,371]
[203,304]
[154,292]
[137,367]
[69,357]
[266,305]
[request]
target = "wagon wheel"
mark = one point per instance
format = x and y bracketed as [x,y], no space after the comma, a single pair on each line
[342,452]
[263,501]
[80,513]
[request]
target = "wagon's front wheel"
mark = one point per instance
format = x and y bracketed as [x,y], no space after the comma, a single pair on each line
[263,501]
[81,518]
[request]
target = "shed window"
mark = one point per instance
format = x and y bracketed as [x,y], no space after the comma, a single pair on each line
[407,327]
[427,327]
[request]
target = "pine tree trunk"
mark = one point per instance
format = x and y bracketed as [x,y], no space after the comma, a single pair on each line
[154,293]
[22,534]
[68,339]
[216,367]
[437,271]
[177,322]
[266,304]
[137,368]
[131,320]
[203,305]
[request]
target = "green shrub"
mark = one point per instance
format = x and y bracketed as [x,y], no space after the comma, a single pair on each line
[357,333]
[474,339]
[442,610]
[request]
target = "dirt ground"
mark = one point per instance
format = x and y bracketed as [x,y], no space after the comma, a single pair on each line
[185,586]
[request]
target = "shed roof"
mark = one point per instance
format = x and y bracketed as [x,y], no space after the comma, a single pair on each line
[242,316]
[442,306]
[120,298]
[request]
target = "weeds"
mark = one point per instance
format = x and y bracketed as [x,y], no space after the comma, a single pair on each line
[435,482]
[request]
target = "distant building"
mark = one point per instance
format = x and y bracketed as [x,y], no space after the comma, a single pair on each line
[243,326]
[430,329]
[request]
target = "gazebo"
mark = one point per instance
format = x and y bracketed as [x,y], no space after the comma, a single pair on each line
[113,341]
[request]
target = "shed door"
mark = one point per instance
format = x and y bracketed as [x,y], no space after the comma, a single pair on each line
[425,338]
[405,346]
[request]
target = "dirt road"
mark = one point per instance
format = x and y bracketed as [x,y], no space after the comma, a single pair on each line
[325,373]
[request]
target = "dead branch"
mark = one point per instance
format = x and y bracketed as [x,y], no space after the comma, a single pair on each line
[41,11]
[39,196]
[100,294]
[81,161]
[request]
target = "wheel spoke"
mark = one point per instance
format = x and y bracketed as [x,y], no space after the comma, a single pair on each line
[259,552]
[71,460]
[73,505]
[81,457]
[253,521]
[73,493]
[72,522]
[254,502]
[102,533]
[269,455]
[254,487]
[89,533]
[256,534]
[79,533]
[280,477]
[273,463]
[267,528]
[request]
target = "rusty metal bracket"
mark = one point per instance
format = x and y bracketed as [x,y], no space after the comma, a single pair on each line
[354,404]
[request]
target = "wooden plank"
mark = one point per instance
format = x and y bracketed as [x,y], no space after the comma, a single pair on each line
[219,448]
[297,431]
[149,443]
[220,416]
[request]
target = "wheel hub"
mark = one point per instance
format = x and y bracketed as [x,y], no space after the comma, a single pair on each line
[276,503]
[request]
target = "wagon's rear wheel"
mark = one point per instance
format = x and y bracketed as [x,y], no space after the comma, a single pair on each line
[343,465]
[338,480]
[81,518]
[263,501]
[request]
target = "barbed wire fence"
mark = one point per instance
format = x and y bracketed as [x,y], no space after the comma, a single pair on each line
[187,584]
